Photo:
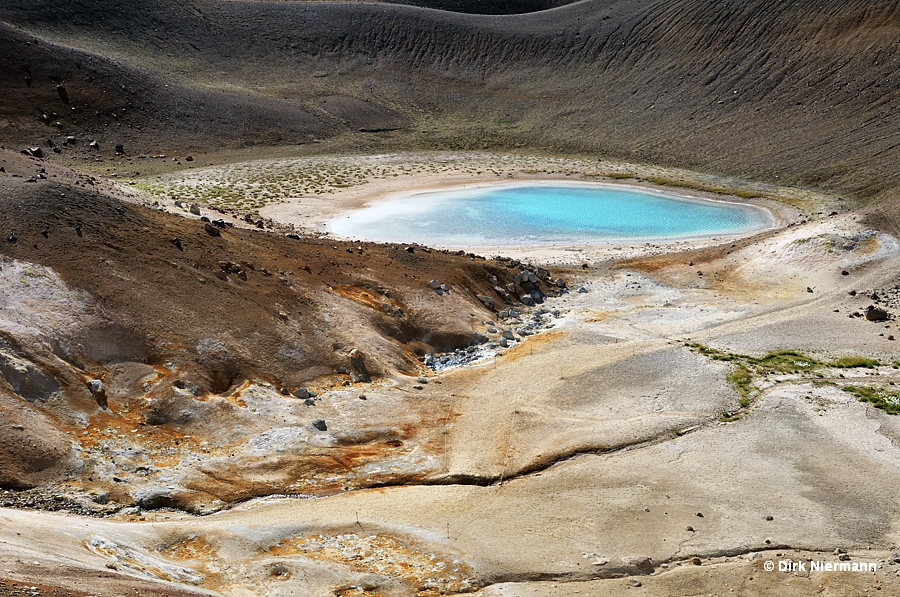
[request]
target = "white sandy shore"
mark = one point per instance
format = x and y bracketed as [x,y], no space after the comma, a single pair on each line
[310,192]
[558,253]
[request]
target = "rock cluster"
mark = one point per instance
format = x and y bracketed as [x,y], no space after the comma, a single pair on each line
[540,319]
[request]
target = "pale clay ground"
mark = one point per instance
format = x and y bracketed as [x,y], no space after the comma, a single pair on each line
[574,432]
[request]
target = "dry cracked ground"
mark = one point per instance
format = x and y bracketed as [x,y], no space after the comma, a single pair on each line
[204,393]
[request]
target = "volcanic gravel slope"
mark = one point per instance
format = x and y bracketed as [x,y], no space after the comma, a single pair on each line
[803,92]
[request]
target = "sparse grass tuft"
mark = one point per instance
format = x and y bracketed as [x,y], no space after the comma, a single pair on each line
[742,379]
[785,361]
[851,362]
[880,398]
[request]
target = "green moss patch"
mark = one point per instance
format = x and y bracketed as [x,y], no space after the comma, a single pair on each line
[747,369]
[879,397]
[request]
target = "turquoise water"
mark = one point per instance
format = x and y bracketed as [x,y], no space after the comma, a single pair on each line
[558,213]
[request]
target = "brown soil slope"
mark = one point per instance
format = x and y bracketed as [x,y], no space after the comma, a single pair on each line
[95,288]
[805,92]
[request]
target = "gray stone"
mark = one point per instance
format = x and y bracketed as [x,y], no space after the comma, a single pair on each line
[445,288]
[320,425]
[434,284]
[493,280]
[503,342]
[488,301]
[527,300]
[422,379]
[195,209]
[583,290]
[301,393]
[511,287]
[211,230]
[507,334]
[560,283]
[94,145]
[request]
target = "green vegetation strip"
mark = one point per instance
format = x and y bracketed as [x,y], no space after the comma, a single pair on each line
[881,398]
[788,362]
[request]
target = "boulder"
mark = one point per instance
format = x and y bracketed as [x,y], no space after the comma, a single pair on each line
[97,390]
[301,393]
[488,301]
[211,230]
[358,372]
[195,209]
[320,425]
[507,334]
[641,563]
[434,284]
[560,283]
[27,379]
[94,145]
[63,94]
[874,313]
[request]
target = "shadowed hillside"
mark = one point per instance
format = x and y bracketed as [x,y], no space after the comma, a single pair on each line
[803,91]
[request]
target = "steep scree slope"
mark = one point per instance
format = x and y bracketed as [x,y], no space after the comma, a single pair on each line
[805,92]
